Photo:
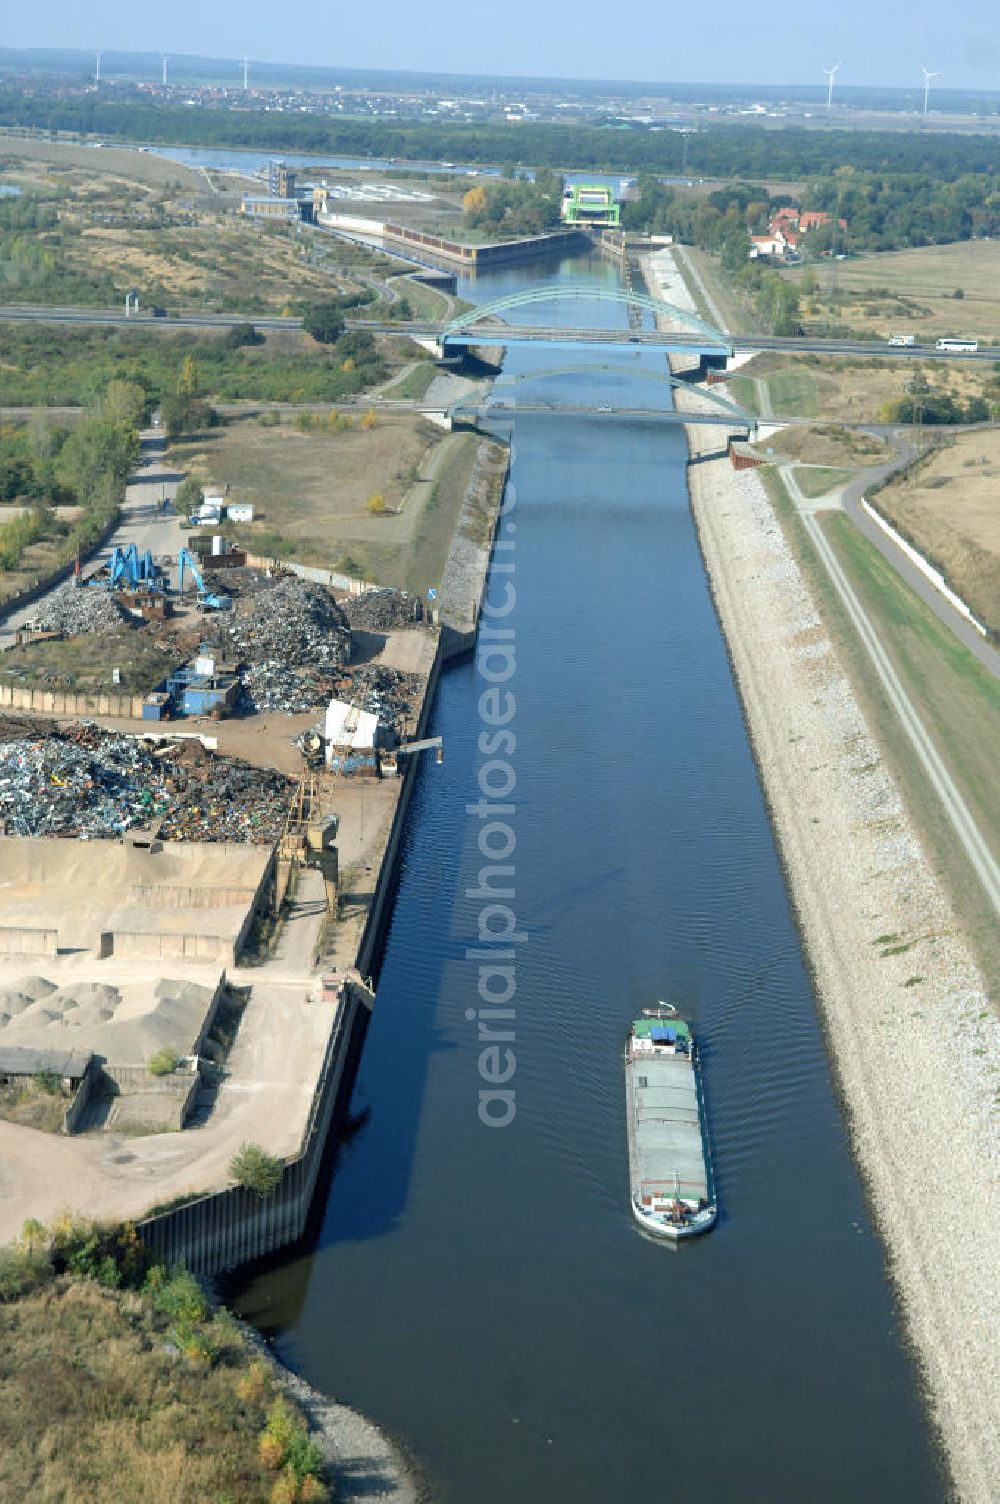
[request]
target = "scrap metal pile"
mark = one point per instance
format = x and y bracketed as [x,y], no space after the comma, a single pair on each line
[96,784]
[77,610]
[388,693]
[380,610]
[292,645]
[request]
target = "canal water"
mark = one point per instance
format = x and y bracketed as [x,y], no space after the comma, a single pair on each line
[483,1292]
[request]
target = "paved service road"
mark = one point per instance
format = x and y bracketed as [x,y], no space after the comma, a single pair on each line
[849,499]
[142,523]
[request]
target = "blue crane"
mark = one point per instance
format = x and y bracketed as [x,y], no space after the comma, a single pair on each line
[207,599]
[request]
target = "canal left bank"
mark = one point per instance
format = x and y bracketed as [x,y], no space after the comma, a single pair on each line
[136,938]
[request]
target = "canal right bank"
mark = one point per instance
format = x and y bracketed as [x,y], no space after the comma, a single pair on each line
[483,1293]
[915,1045]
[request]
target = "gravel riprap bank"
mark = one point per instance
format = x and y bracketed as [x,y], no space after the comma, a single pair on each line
[915,1044]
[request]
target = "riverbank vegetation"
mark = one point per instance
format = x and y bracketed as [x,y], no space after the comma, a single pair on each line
[119,1381]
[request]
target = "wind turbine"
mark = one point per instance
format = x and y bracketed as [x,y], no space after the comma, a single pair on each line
[830,75]
[927,82]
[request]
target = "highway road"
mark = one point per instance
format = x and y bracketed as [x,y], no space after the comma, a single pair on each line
[497,332]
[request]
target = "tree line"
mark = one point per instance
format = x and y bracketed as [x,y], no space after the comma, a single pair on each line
[515,206]
[715,151]
[883,211]
[43,465]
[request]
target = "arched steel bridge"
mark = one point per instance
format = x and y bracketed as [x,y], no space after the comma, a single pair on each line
[486,323]
[722,411]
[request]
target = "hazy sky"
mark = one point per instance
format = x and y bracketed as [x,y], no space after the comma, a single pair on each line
[725,41]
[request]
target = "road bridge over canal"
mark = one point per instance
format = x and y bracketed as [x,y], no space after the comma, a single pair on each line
[517,396]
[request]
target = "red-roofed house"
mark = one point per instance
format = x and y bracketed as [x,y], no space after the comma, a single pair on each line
[813,218]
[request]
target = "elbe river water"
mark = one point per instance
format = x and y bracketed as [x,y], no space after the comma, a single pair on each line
[483,1293]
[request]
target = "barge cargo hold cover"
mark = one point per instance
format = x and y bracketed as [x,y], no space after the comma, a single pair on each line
[670,1171]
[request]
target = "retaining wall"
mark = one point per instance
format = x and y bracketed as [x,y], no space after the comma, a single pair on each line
[67,702]
[156,944]
[466,571]
[231,1227]
[382,897]
[329,577]
[156,896]
[22,940]
[235,1226]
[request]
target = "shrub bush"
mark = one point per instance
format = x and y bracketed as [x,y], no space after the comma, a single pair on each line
[255,1169]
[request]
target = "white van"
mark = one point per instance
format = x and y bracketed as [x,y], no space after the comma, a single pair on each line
[903,339]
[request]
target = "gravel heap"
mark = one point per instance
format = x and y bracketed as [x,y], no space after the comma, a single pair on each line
[380,610]
[77,610]
[95,784]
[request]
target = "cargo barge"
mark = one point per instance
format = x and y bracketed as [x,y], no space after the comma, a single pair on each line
[671,1184]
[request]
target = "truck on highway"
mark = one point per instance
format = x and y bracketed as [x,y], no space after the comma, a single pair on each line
[903,339]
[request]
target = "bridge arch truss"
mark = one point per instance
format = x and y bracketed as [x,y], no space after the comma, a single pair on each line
[584,292]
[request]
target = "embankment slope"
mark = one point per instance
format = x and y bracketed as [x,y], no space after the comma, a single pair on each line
[914,1043]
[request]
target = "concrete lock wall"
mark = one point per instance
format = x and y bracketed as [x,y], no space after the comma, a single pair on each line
[21,940]
[234,1226]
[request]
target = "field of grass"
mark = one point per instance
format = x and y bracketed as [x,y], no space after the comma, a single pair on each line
[415,383]
[827,444]
[913,291]
[735,311]
[39,559]
[854,390]
[743,390]
[132,219]
[422,565]
[105,1398]
[794,391]
[960,697]
[948,507]
[35,161]
[311,486]
[87,663]
[957,700]
[817,480]
[35,1102]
